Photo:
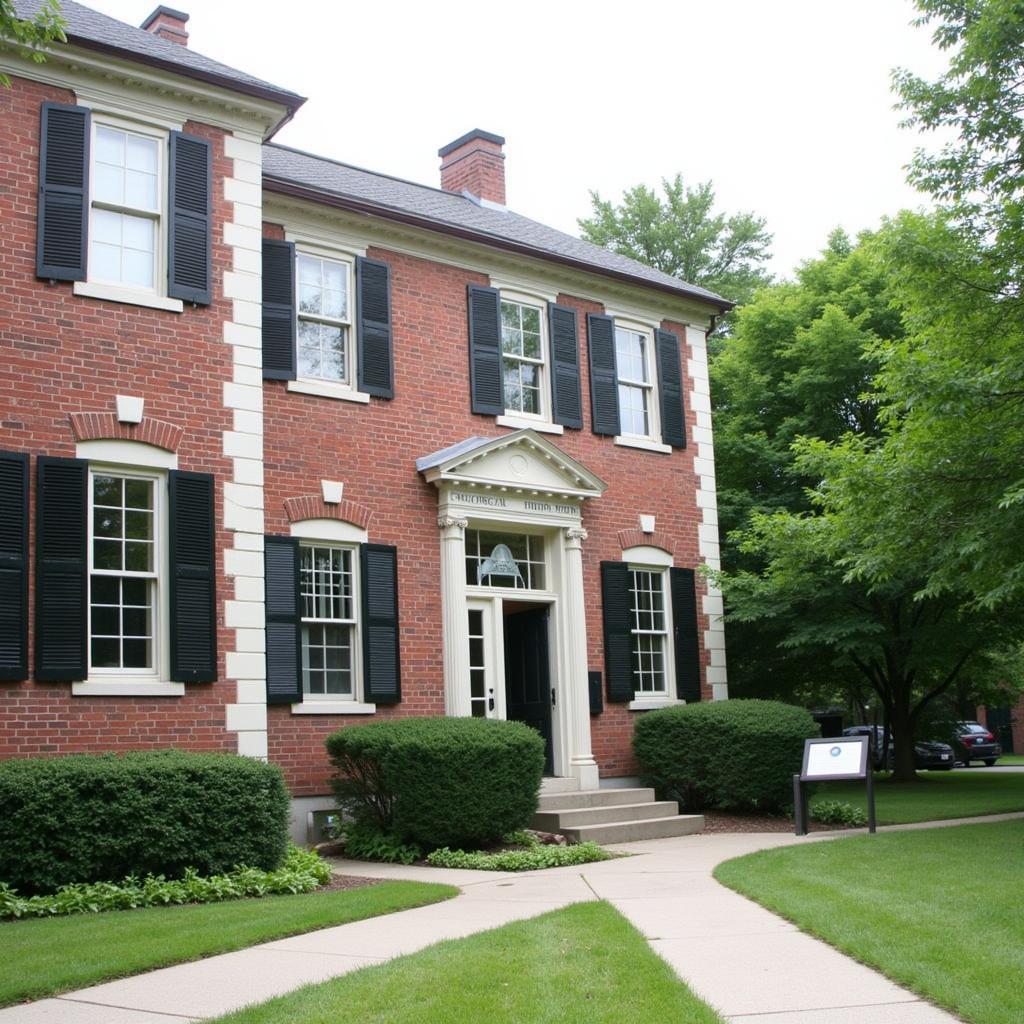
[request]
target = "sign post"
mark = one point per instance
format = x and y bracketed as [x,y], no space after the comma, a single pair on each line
[843,758]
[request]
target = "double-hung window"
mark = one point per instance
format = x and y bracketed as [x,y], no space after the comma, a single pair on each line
[522,349]
[124,557]
[126,201]
[329,621]
[633,356]
[324,320]
[650,629]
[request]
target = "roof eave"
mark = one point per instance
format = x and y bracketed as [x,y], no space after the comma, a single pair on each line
[284,186]
[290,101]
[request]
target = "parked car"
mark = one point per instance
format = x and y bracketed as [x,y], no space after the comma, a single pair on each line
[973,742]
[927,753]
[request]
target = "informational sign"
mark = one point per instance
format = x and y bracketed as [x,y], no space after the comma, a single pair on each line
[832,760]
[843,757]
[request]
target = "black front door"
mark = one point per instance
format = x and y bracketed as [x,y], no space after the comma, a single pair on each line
[527,676]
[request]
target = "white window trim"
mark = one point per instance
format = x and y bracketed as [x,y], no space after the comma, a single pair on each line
[132,682]
[156,297]
[651,441]
[327,389]
[518,421]
[530,419]
[337,533]
[642,700]
[348,324]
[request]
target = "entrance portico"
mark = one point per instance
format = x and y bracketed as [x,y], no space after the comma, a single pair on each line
[514,615]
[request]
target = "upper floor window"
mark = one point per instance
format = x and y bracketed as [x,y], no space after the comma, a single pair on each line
[125,207]
[123,573]
[329,622]
[635,381]
[324,319]
[522,347]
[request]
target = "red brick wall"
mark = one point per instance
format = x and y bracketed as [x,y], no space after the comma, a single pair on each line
[373,449]
[61,355]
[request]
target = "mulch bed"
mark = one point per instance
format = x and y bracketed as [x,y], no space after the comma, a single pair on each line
[718,821]
[339,882]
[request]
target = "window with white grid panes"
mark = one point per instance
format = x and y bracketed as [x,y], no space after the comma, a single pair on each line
[328,605]
[522,347]
[478,696]
[649,626]
[633,361]
[527,551]
[126,197]
[123,573]
[324,319]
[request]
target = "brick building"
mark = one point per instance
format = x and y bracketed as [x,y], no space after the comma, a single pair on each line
[287,445]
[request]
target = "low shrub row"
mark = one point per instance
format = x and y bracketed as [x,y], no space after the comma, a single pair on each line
[302,871]
[99,818]
[734,755]
[531,859]
[838,812]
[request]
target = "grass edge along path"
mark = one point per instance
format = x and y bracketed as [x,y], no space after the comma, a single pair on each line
[583,964]
[46,956]
[934,910]
[934,796]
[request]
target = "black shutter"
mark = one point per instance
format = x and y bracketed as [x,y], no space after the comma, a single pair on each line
[670,389]
[284,657]
[61,569]
[684,621]
[566,400]
[63,214]
[485,375]
[190,187]
[604,378]
[278,310]
[381,662]
[618,640]
[193,577]
[373,328]
[13,566]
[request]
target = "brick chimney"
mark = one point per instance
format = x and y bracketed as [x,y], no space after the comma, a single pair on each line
[169,24]
[475,163]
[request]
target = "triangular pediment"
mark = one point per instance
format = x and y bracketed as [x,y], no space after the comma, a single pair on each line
[523,461]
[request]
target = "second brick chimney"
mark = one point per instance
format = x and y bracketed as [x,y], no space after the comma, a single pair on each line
[475,163]
[168,24]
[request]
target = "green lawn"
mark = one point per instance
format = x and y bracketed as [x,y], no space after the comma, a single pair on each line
[1017,759]
[43,956]
[936,795]
[937,910]
[582,965]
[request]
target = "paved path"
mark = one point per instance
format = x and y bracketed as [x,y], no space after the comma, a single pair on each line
[754,967]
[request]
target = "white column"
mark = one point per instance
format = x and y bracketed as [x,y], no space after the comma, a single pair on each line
[455,623]
[577,691]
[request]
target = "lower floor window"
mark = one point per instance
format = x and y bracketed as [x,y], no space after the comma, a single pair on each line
[649,629]
[328,621]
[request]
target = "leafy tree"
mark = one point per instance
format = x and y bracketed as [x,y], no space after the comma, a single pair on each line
[681,233]
[30,36]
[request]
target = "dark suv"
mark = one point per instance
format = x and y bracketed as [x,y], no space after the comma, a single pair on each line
[927,754]
[973,742]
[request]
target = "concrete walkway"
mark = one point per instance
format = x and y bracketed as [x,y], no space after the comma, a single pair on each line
[752,966]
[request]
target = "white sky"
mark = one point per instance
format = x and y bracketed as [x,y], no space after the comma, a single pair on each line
[784,105]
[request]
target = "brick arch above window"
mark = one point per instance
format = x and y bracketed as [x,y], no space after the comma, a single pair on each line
[104,426]
[637,538]
[313,506]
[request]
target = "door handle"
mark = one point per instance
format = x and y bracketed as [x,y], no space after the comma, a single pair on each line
[553,701]
[490,700]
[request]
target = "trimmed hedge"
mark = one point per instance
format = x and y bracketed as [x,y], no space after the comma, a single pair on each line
[100,817]
[733,755]
[439,781]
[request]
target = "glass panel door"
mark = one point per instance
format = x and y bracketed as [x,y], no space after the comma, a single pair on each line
[483,698]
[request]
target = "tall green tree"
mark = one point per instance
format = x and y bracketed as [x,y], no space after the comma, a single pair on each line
[681,233]
[30,35]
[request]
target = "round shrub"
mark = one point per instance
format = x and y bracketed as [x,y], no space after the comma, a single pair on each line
[101,817]
[735,755]
[439,781]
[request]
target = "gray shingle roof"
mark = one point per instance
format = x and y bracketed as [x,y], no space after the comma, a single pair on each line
[91,29]
[461,448]
[446,210]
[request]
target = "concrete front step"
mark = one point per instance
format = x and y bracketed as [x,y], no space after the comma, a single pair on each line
[551,785]
[634,831]
[593,798]
[558,821]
